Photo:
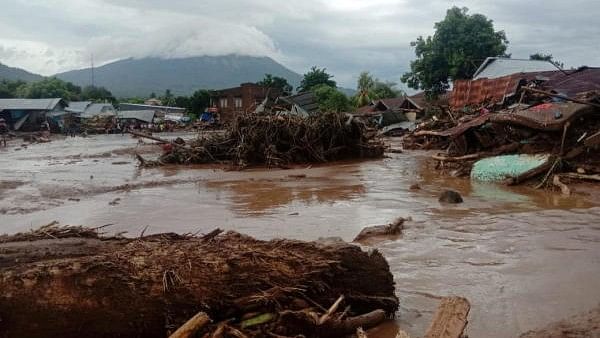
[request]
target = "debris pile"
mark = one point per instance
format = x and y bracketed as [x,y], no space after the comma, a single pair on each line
[277,141]
[557,132]
[63,282]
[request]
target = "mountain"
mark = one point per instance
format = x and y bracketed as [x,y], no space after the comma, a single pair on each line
[13,74]
[183,76]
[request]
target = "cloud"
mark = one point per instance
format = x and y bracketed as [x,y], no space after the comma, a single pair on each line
[345,36]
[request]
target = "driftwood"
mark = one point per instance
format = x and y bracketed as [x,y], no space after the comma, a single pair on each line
[71,282]
[563,187]
[501,150]
[158,139]
[192,326]
[581,176]
[281,140]
[450,319]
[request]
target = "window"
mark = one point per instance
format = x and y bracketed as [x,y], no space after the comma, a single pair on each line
[223,102]
[238,102]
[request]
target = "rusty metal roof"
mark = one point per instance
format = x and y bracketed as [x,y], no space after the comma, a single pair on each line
[570,83]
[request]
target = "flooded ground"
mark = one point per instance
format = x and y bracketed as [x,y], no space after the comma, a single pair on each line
[524,258]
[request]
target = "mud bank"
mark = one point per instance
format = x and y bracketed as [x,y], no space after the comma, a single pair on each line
[67,282]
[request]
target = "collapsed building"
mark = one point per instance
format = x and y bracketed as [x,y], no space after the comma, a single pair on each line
[29,114]
[512,126]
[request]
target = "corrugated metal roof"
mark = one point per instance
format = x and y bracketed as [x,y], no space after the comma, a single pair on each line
[134,106]
[495,67]
[99,109]
[570,83]
[30,104]
[142,115]
[305,100]
[78,106]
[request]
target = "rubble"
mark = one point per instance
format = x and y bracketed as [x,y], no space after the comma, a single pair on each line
[554,116]
[277,141]
[73,282]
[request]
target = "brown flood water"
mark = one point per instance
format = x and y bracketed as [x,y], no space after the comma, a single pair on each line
[524,258]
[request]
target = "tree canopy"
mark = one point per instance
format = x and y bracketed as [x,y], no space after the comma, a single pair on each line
[460,44]
[276,82]
[98,94]
[316,77]
[330,99]
[49,87]
[546,57]
[370,88]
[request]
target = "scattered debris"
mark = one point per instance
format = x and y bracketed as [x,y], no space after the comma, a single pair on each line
[276,141]
[229,283]
[546,120]
[415,186]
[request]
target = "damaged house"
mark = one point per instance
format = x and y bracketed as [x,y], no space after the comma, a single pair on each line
[390,111]
[245,98]
[29,114]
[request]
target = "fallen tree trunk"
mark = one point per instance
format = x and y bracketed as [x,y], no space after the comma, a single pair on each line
[55,283]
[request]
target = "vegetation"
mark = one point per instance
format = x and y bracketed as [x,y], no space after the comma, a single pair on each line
[460,44]
[370,88]
[52,87]
[546,57]
[330,99]
[196,103]
[276,82]
[316,77]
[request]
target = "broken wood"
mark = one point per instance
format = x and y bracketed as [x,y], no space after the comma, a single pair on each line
[564,189]
[593,140]
[192,326]
[158,139]
[581,176]
[533,90]
[450,319]
[501,150]
[331,310]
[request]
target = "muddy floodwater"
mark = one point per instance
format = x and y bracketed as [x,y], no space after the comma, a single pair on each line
[523,257]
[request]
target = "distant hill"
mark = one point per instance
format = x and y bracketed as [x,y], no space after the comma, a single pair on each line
[13,74]
[140,77]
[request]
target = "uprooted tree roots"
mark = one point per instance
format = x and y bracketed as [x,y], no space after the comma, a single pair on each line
[56,283]
[280,140]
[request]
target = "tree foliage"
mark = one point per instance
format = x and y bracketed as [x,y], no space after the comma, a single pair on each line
[460,44]
[49,87]
[276,82]
[8,88]
[330,99]
[316,77]
[546,57]
[370,88]
[97,94]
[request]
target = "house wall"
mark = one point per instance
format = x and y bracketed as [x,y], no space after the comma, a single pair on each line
[250,95]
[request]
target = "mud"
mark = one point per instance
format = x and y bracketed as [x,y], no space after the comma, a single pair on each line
[515,253]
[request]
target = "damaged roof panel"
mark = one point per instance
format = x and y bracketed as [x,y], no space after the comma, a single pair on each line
[495,67]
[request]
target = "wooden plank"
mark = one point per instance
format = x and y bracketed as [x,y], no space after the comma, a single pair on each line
[450,319]
[592,140]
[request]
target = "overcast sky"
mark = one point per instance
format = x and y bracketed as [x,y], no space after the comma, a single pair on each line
[345,36]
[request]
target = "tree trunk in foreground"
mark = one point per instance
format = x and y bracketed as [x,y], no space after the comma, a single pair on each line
[58,283]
